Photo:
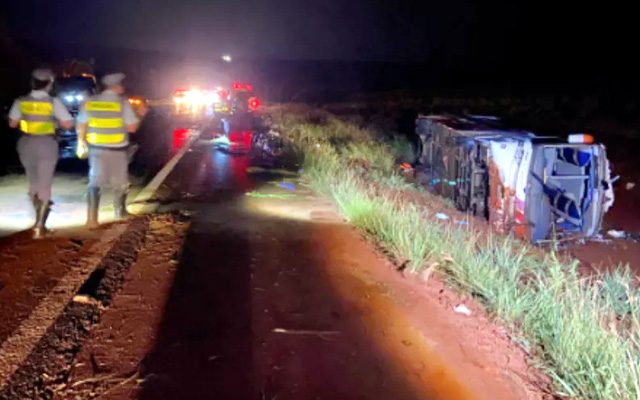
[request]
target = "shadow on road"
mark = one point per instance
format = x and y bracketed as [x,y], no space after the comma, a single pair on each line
[252,315]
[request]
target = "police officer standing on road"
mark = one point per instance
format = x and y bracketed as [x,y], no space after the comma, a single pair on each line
[104,124]
[36,114]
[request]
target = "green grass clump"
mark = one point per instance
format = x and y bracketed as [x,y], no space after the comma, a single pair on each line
[585,332]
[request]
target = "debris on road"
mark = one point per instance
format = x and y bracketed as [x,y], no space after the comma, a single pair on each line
[273,171]
[287,185]
[304,332]
[96,379]
[260,195]
[616,234]
[407,170]
[442,216]
[462,309]
[85,299]
[599,239]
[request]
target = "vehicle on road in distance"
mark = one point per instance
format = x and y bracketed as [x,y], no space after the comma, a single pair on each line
[242,120]
[532,186]
[200,108]
[242,98]
[226,117]
[73,91]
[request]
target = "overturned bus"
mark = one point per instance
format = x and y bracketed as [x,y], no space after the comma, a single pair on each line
[532,186]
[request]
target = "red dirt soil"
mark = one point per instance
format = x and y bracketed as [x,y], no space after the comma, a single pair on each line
[30,269]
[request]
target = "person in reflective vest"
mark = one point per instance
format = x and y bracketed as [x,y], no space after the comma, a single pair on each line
[37,116]
[104,124]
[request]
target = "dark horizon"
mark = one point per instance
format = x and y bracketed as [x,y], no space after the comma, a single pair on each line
[481,33]
[331,48]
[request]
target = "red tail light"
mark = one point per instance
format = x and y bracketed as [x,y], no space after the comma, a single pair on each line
[180,136]
[240,139]
[223,94]
[246,87]
[235,137]
[254,103]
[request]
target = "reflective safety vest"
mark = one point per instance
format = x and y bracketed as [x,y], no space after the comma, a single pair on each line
[37,116]
[105,124]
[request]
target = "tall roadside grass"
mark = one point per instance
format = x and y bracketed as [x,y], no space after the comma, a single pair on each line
[584,331]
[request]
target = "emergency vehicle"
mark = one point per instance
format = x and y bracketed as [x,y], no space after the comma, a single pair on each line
[225,116]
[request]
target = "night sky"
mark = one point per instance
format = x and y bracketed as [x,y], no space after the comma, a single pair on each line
[284,29]
[530,38]
[329,29]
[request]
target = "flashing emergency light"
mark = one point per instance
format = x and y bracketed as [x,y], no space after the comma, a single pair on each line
[196,97]
[583,138]
[223,93]
[244,87]
[254,103]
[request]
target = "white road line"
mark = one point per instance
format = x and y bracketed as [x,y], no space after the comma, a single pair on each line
[141,204]
[21,343]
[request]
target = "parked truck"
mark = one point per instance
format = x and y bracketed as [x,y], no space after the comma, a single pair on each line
[533,186]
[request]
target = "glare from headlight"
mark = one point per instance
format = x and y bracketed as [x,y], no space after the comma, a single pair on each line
[79,97]
[212,98]
[69,98]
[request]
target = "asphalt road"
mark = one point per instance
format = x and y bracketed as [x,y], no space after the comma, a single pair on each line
[245,286]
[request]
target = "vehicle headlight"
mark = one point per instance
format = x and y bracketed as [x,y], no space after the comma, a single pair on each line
[212,98]
[79,97]
[69,98]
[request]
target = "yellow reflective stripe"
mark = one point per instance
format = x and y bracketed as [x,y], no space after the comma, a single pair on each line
[105,123]
[101,138]
[37,127]
[103,106]
[36,108]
